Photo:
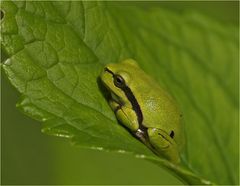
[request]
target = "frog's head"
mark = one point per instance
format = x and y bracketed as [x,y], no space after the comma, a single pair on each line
[116,77]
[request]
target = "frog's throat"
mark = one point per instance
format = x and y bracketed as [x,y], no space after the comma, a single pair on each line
[135,106]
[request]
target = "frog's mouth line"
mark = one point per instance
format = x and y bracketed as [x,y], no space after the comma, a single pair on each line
[116,99]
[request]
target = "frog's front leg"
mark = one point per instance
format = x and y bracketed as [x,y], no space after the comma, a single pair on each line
[163,144]
[125,115]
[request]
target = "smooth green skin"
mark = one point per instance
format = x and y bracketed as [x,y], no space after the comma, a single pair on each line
[159,110]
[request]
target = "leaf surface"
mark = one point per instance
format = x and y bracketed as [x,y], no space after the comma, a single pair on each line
[54,52]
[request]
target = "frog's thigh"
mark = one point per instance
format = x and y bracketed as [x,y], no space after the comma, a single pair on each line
[127,117]
[164,145]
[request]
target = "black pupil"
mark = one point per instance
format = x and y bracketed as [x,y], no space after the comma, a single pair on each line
[119,80]
[172,134]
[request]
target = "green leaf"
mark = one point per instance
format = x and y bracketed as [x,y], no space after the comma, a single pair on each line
[53,53]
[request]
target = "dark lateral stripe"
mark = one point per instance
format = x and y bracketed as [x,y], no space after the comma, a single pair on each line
[134,104]
[106,69]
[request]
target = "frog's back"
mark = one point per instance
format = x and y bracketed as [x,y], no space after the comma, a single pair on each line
[160,110]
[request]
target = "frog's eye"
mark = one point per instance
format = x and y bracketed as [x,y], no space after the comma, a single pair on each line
[119,81]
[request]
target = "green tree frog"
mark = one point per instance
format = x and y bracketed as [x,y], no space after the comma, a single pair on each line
[143,107]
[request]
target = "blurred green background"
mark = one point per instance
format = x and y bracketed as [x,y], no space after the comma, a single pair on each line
[30,157]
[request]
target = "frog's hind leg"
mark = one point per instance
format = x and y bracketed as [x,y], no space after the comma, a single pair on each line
[163,144]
